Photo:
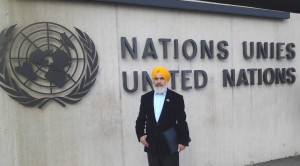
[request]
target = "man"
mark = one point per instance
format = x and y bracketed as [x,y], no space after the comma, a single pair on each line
[161,110]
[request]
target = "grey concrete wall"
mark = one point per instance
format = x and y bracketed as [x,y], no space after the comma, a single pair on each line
[229,126]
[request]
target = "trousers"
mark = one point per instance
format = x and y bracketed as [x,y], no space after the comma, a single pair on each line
[163,160]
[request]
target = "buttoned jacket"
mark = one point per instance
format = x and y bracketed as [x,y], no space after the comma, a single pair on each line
[172,115]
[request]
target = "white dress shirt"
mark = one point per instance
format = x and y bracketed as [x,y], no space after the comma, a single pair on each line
[158,102]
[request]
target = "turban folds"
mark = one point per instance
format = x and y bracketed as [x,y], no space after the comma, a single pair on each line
[163,71]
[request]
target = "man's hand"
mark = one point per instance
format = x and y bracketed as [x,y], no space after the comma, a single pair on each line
[143,140]
[180,147]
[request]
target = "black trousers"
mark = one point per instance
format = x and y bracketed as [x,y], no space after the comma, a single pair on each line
[162,160]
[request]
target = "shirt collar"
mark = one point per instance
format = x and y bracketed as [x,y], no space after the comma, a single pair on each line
[164,93]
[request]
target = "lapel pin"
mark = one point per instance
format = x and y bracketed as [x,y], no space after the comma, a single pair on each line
[168,100]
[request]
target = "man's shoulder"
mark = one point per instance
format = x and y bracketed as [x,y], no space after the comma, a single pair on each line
[148,94]
[173,93]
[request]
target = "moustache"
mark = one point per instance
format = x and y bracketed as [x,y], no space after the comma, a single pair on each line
[158,85]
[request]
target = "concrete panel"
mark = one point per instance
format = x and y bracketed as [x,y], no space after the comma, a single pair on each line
[84,134]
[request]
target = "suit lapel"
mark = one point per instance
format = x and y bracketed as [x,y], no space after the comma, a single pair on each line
[165,106]
[152,106]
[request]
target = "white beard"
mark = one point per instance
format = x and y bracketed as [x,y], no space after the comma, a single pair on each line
[160,89]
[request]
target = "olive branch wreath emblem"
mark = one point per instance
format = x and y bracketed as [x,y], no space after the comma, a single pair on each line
[8,84]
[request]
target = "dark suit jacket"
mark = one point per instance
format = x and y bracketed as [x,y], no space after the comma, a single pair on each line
[172,114]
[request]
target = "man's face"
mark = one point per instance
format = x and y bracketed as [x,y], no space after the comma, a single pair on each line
[159,83]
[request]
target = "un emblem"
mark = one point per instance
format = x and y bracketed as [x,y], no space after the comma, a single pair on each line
[45,61]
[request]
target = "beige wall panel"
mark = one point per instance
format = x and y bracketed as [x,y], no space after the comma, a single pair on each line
[87,133]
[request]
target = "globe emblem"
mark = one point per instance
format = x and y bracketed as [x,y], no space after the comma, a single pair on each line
[47,58]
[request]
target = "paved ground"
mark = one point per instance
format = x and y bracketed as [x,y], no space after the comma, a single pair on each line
[290,161]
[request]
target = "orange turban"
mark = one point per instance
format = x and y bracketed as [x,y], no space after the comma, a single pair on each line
[163,71]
